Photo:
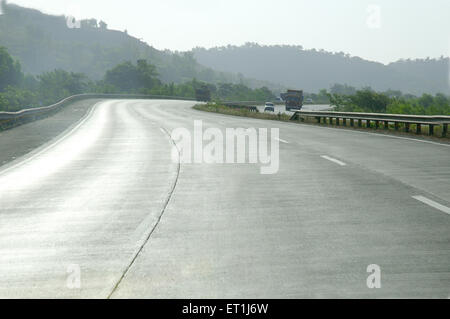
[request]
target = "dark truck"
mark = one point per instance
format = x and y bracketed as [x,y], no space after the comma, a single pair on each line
[293,99]
[203,94]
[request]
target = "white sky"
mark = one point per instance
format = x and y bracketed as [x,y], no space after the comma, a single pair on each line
[404,29]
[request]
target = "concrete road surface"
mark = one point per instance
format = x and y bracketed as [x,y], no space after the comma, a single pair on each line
[105,211]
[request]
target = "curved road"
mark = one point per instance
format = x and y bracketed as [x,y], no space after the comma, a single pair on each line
[106,201]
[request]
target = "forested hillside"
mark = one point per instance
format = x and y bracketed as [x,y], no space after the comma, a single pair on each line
[313,70]
[44,43]
[19,90]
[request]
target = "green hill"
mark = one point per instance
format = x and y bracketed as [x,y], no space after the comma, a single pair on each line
[44,42]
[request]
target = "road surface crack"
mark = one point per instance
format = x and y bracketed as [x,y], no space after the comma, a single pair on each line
[149,235]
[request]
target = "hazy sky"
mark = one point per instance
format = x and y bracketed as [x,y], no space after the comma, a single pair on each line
[379,30]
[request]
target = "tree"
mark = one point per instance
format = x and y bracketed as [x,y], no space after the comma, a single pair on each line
[103,25]
[342,89]
[361,101]
[123,76]
[372,101]
[14,99]
[426,100]
[128,77]
[10,70]
[56,85]
[147,74]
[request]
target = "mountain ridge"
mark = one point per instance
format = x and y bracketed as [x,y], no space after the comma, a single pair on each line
[43,42]
[313,70]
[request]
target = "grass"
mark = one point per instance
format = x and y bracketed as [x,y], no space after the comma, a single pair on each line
[244,112]
[216,108]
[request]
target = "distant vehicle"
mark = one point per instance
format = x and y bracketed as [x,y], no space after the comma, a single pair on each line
[293,99]
[203,94]
[269,107]
[309,100]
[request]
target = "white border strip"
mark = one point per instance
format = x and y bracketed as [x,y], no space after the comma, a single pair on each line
[432,203]
[280,140]
[343,129]
[333,160]
[46,146]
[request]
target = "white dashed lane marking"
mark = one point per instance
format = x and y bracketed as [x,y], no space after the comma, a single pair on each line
[432,203]
[333,160]
[280,140]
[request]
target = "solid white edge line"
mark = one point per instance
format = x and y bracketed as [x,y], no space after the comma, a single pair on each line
[376,134]
[432,203]
[333,160]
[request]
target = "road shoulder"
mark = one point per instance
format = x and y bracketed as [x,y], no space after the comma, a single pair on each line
[21,140]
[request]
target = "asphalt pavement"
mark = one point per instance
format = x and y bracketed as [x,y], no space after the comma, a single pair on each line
[104,210]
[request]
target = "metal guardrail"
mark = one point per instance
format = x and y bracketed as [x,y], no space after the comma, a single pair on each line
[251,106]
[11,119]
[396,119]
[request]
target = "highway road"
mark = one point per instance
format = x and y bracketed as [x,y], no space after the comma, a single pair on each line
[103,211]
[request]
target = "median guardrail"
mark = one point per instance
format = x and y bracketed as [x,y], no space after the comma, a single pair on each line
[249,105]
[11,119]
[397,119]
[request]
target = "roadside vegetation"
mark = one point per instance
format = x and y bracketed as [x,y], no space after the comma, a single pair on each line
[19,91]
[393,102]
[317,98]
[246,112]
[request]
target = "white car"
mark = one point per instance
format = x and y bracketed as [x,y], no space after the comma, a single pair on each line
[269,107]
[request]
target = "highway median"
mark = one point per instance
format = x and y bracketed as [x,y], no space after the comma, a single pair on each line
[241,111]
[403,129]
